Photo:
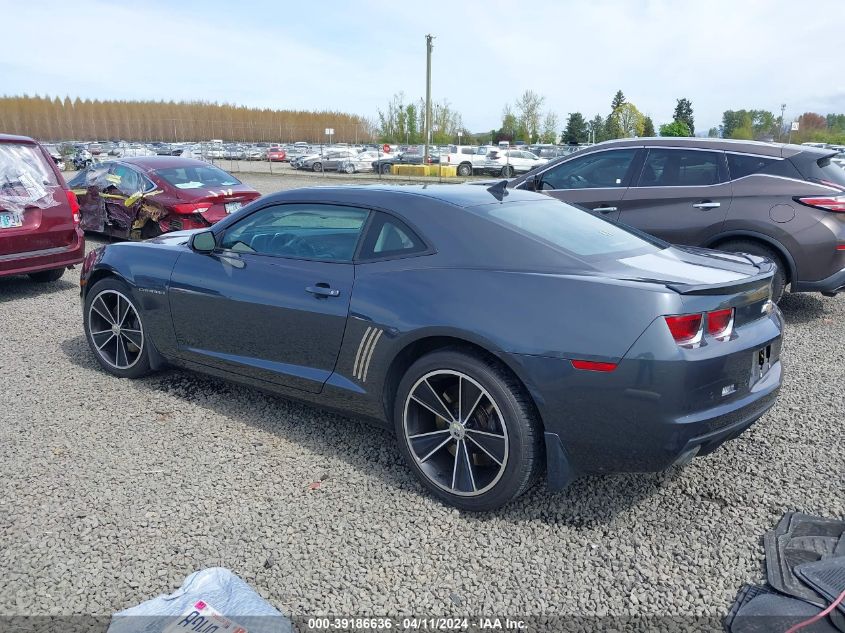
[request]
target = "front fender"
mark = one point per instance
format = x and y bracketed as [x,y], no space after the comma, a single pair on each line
[146,269]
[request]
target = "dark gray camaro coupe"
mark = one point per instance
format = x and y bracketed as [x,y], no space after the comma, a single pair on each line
[503,334]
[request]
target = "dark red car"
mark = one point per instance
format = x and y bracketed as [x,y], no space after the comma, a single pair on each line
[139,198]
[276,155]
[39,215]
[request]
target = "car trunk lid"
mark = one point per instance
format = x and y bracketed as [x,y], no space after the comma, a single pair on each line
[730,280]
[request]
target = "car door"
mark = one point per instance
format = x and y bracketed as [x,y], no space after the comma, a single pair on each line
[681,195]
[596,180]
[88,186]
[123,183]
[271,301]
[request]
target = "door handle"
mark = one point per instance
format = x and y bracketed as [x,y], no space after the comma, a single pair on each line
[707,204]
[605,209]
[323,290]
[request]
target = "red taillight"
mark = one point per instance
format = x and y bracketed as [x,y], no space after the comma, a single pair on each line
[719,322]
[74,206]
[191,207]
[591,365]
[840,247]
[685,328]
[828,203]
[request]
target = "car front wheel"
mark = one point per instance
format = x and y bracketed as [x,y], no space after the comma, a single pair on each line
[507,172]
[115,331]
[468,430]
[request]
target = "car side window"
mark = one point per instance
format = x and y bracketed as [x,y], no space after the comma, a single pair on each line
[125,179]
[388,236]
[741,165]
[599,170]
[301,231]
[679,168]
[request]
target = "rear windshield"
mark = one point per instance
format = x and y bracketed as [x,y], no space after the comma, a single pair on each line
[568,228]
[26,178]
[826,170]
[197,177]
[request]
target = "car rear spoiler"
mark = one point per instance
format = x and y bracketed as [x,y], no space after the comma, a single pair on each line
[767,271]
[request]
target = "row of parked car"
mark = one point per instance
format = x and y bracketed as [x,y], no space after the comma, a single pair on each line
[495,160]
[783,202]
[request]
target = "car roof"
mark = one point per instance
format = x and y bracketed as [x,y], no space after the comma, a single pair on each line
[725,144]
[160,162]
[463,195]
[13,138]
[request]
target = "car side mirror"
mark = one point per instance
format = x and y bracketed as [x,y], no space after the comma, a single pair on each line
[533,184]
[203,242]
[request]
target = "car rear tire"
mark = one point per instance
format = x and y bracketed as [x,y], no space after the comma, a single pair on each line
[349,169]
[47,276]
[317,166]
[507,172]
[489,449]
[755,248]
[115,331]
[385,169]
[464,170]
[150,230]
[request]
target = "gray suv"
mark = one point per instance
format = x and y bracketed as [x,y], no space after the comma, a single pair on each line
[785,202]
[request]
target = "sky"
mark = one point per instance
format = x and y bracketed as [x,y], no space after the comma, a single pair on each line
[354,56]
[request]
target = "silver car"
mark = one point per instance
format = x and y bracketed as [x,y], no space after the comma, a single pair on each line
[359,163]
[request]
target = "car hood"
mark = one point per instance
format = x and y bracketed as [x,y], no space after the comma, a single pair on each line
[174,237]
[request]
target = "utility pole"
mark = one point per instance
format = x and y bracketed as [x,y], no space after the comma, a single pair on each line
[428,47]
[782,110]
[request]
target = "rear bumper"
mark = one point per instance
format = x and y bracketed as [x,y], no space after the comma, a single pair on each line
[832,284]
[655,410]
[184,222]
[45,259]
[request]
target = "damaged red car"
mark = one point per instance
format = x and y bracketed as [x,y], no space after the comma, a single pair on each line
[140,198]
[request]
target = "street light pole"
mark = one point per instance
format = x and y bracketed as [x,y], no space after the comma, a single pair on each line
[782,110]
[428,47]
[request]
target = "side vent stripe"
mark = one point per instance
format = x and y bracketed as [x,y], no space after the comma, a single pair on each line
[360,348]
[370,355]
[360,373]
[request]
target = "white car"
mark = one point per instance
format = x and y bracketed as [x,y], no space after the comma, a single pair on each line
[359,163]
[468,159]
[507,163]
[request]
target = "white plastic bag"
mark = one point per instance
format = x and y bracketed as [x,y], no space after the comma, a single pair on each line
[209,601]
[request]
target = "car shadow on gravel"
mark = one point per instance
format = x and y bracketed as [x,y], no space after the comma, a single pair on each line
[802,307]
[21,286]
[369,448]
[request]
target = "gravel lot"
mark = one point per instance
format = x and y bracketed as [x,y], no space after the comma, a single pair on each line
[112,491]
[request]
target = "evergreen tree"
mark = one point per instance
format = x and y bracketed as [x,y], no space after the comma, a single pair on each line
[683,112]
[577,130]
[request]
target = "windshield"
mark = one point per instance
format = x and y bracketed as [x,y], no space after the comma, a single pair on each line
[197,177]
[568,228]
[825,170]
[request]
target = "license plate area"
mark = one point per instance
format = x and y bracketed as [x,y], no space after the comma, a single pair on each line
[231,207]
[761,363]
[10,219]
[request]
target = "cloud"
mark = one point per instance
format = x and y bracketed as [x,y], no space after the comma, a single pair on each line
[355,56]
